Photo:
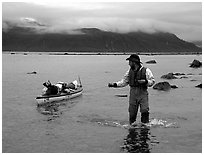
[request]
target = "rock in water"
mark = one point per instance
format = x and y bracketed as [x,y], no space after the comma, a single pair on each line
[199,86]
[34,72]
[196,64]
[174,86]
[151,62]
[169,76]
[162,86]
[121,95]
[183,77]
[179,74]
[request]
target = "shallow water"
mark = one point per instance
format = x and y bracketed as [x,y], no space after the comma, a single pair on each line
[97,120]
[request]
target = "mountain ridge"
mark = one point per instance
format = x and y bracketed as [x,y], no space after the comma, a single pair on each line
[93,40]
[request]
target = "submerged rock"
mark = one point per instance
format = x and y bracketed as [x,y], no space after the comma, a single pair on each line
[162,86]
[174,86]
[32,72]
[169,76]
[196,64]
[183,77]
[151,62]
[199,86]
[190,74]
[121,95]
[178,74]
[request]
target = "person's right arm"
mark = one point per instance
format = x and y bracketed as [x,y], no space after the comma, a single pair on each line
[122,83]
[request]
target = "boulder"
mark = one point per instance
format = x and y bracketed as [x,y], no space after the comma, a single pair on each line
[199,86]
[151,62]
[162,86]
[168,76]
[196,64]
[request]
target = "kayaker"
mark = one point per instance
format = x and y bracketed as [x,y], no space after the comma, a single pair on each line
[51,89]
[139,79]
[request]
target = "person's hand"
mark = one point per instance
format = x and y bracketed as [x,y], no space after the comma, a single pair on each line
[112,85]
[142,81]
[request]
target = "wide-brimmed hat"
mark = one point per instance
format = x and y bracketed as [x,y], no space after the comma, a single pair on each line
[134,58]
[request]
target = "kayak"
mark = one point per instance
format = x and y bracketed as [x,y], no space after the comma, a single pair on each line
[43,99]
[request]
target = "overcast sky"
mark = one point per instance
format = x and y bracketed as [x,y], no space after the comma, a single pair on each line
[181,18]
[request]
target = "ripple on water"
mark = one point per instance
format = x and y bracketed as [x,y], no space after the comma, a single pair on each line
[139,138]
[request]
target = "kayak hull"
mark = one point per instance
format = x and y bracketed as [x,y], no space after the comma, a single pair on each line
[41,100]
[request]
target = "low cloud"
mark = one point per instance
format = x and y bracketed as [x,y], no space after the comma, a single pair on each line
[183,19]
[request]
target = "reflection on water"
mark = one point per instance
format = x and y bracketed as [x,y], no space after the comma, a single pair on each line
[56,108]
[137,141]
[51,109]
[139,138]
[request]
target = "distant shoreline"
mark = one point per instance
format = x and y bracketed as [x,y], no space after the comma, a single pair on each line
[101,53]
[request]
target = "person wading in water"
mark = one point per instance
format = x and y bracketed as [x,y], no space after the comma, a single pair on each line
[139,79]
